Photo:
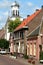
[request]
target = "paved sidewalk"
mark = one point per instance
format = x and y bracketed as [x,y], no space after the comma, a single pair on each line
[22,60]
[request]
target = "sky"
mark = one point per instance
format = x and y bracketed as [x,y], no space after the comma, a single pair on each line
[27,7]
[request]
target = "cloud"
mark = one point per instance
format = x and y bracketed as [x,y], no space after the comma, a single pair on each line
[5,3]
[30,4]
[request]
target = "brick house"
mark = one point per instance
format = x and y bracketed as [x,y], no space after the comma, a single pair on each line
[29,34]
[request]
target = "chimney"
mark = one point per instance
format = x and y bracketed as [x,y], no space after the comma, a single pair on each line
[37,9]
[23,19]
[28,15]
[42,6]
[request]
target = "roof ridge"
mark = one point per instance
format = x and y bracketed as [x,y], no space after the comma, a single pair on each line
[37,12]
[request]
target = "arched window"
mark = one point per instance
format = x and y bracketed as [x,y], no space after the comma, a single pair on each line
[13,13]
[16,12]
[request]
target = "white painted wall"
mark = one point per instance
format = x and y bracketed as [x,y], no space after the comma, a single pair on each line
[13,18]
[14,8]
[8,36]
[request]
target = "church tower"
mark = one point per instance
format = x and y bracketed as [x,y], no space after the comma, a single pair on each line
[14,14]
[15,9]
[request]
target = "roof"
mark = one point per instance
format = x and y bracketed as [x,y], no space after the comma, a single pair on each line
[15,4]
[2,33]
[27,20]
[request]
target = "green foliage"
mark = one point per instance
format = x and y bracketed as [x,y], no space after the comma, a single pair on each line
[4,43]
[26,57]
[13,24]
[41,55]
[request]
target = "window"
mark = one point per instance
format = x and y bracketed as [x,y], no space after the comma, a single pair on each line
[21,34]
[30,48]
[13,12]
[16,12]
[34,49]
[16,35]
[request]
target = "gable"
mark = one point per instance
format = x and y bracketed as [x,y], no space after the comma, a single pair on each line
[41,31]
[35,32]
[35,22]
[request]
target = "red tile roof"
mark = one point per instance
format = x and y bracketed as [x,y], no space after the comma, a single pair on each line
[27,20]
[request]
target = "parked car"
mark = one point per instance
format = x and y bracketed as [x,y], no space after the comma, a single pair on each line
[41,61]
[2,51]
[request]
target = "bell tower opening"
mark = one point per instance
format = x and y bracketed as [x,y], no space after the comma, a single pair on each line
[15,9]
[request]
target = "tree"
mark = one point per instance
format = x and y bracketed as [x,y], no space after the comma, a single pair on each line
[41,55]
[13,24]
[4,43]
